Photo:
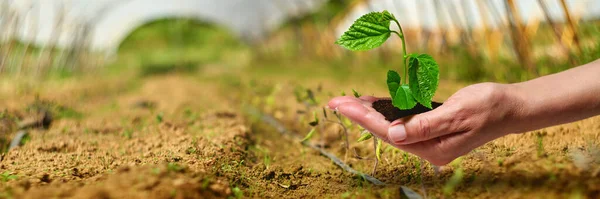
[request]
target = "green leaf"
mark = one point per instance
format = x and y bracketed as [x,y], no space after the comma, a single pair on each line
[388,16]
[311,97]
[378,149]
[356,94]
[310,134]
[423,73]
[315,122]
[365,136]
[368,32]
[404,98]
[393,82]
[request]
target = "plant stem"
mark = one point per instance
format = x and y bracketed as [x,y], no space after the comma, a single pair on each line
[401,35]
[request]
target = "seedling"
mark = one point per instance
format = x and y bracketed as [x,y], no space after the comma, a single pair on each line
[7,176]
[174,167]
[159,117]
[421,72]
[456,178]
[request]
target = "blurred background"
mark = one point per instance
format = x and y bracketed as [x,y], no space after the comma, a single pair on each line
[187,82]
[474,40]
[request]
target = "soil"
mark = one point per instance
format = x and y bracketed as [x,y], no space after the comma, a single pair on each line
[178,136]
[391,113]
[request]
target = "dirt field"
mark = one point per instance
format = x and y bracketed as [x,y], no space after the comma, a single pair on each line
[179,136]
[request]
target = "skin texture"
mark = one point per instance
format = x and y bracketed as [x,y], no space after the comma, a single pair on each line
[483,112]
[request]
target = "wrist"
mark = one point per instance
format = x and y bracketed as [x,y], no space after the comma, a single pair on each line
[518,111]
[522,108]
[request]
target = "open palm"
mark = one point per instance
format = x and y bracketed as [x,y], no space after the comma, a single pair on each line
[470,118]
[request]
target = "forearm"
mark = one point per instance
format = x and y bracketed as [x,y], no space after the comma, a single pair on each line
[560,98]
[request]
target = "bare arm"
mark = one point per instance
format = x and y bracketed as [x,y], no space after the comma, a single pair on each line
[560,98]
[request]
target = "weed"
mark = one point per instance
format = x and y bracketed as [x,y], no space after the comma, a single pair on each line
[267,160]
[7,176]
[156,171]
[159,117]
[128,133]
[455,179]
[26,138]
[191,150]
[190,114]
[346,194]
[237,192]
[205,183]
[540,144]
[174,167]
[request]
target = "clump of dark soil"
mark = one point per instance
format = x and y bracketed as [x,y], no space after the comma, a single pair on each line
[391,113]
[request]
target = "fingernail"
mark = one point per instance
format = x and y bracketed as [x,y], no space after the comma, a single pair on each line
[397,133]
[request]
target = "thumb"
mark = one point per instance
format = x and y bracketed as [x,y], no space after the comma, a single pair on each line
[425,126]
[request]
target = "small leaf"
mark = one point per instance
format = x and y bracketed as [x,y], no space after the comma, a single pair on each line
[388,16]
[356,94]
[393,82]
[311,97]
[423,73]
[404,99]
[365,135]
[315,122]
[159,117]
[378,149]
[343,93]
[346,122]
[310,134]
[367,32]
[298,94]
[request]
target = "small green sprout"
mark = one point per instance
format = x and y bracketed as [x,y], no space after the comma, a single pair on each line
[237,192]
[310,134]
[7,176]
[315,122]
[159,117]
[455,179]
[371,31]
[355,93]
[378,149]
[365,135]
[174,167]
[128,133]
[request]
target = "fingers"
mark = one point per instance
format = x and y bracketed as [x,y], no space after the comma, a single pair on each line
[421,127]
[366,117]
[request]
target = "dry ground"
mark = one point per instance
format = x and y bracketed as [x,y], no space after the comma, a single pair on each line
[179,136]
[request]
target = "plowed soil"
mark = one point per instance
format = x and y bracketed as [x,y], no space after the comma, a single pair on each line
[177,136]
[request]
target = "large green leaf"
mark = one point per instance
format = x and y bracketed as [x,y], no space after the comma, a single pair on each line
[423,75]
[393,82]
[368,32]
[404,99]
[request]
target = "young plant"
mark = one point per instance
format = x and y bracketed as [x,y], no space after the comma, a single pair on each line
[421,72]
[7,176]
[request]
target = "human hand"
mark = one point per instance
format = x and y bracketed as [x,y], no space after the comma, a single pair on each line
[470,118]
